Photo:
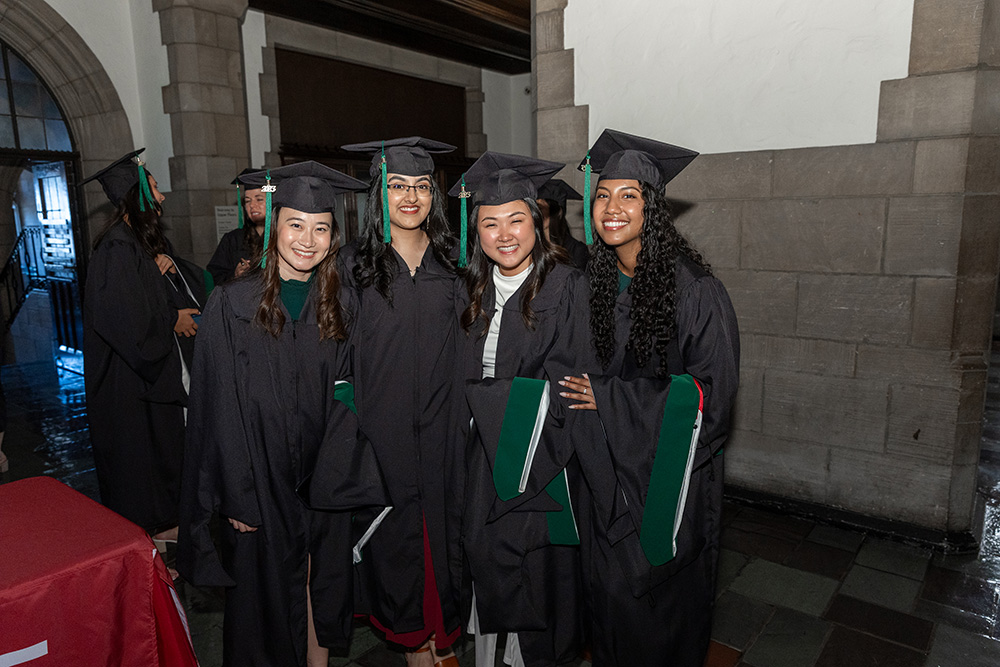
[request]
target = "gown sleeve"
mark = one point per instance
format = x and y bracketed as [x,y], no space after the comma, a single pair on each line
[138,327]
[218,477]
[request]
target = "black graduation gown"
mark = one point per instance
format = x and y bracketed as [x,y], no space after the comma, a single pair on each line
[405,377]
[578,251]
[133,380]
[645,614]
[232,248]
[525,580]
[262,410]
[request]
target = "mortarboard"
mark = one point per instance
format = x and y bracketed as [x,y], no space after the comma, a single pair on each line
[119,177]
[559,191]
[408,156]
[309,187]
[617,155]
[498,178]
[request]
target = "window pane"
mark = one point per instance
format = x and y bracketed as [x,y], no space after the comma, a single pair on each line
[19,72]
[4,103]
[49,108]
[57,136]
[31,132]
[6,132]
[28,100]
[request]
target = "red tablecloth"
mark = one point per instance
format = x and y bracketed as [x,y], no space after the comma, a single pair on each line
[80,585]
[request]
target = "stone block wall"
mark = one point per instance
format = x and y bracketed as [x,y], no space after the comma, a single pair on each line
[208,122]
[864,278]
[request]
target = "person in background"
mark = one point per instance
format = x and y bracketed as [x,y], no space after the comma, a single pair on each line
[266,397]
[135,372]
[666,337]
[240,247]
[552,199]
[526,325]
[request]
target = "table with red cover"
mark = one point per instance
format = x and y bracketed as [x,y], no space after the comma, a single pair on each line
[80,585]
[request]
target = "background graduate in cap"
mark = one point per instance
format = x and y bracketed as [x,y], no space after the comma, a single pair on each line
[239,249]
[136,308]
[552,197]
[266,397]
[526,327]
[666,335]
[403,271]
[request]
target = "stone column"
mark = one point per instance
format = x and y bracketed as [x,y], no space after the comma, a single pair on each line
[207,108]
[561,127]
[950,104]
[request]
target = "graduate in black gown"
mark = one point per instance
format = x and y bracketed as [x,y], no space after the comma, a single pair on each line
[551,200]
[403,272]
[526,326]
[267,398]
[667,339]
[239,247]
[137,306]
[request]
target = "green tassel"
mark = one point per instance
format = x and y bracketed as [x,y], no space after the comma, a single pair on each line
[463,239]
[386,232]
[145,194]
[239,207]
[268,188]
[587,204]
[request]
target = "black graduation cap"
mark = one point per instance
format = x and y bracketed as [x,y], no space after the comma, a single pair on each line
[409,156]
[119,177]
[559,190]
[619,155]
[308,186]
[248,170]
[498,178]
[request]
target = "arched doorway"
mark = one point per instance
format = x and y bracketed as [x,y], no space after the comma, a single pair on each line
[40,232]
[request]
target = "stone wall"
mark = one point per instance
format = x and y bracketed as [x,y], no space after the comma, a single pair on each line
[864,279]
[205,102]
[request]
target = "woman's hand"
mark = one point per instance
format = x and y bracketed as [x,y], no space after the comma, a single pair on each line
[241,268]
[165,264]
[242,527]
[186,326]
[581,391]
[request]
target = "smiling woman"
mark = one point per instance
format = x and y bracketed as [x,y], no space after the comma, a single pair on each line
[265,400]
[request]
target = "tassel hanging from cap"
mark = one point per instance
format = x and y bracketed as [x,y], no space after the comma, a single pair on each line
[145,194]
[239,207]
[386,232]
[463,240]
[587,204]
[268,189]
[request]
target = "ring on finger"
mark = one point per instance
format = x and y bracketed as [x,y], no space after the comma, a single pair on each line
[584,391]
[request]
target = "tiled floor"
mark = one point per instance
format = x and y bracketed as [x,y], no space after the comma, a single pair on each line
[792,592]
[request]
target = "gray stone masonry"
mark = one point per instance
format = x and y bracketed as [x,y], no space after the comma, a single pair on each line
[207,116]
[864,277]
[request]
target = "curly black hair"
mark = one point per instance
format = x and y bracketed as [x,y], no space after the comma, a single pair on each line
[375,262]
[478,276]
[653,286]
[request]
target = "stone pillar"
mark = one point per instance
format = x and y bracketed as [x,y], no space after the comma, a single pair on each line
[207,108]
[950,105]
[561,127]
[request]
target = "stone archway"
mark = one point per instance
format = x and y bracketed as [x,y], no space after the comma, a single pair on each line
[89,102]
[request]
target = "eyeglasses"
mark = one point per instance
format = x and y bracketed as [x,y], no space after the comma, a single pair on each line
[400,189]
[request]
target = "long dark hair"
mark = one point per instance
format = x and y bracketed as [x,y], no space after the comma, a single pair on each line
[376,264]
[253,240]
[558,227]
[145,225]
[329,315]
[479,275]
[653,287]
